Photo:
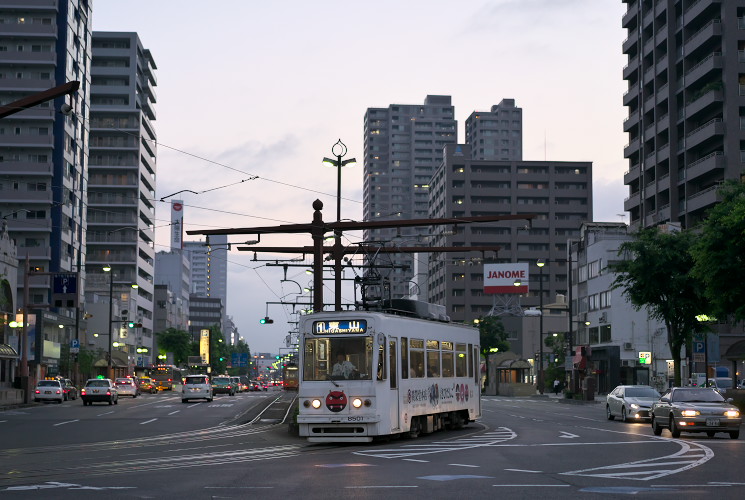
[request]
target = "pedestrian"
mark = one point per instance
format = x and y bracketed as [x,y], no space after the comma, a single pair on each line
[557,386]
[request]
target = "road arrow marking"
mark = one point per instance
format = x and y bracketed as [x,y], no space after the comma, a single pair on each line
[568,435]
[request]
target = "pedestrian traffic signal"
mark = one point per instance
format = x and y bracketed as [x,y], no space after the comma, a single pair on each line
[266,320]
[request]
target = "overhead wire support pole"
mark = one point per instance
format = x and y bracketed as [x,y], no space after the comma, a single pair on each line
[38,98]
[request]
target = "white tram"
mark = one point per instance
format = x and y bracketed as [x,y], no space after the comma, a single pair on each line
[366,374]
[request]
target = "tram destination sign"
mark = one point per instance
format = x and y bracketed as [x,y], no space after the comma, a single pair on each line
[340,327]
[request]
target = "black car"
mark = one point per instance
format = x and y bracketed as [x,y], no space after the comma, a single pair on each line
[71,392]
[223,385]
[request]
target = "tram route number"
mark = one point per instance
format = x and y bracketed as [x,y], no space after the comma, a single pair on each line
[355,419]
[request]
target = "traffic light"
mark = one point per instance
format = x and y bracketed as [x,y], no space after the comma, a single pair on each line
[222,358]
[132,324]
[266,320]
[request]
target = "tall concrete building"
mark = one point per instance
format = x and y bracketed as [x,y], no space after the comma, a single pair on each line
[121,184]
[209,271]
[496,134]
[686,120]
[44,153]
[172,272]
[403,147]
[559,193]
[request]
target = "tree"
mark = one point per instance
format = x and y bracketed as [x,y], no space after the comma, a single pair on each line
[719,253]
[177,342]
[492,335]
[655,274]
[557,359]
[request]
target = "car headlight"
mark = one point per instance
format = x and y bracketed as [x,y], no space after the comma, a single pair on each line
[732,413]
[690,413]
[634,406]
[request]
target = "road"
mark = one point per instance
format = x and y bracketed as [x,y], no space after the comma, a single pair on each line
[157,447]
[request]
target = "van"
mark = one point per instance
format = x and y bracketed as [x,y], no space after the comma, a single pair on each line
[196,387]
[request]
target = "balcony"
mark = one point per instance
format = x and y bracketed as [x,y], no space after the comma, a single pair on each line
[705,101]
[627,44]
[631,175]
[631,148]
[697,8]
[705,165]
[631,122]
[25,168]
[705,132]
[631,202]
[712,28]
[702,68]
[703,199]
[31,197]
[631,14]
[631,68]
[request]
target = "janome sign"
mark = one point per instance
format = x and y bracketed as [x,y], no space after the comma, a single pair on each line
[500,278]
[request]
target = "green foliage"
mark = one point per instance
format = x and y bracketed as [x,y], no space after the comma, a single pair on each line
[655,274]
[719,253]
[492,334]
[86,358]
[555,370]
[177,342]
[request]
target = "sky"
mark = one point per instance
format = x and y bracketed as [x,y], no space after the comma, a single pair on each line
[252,94]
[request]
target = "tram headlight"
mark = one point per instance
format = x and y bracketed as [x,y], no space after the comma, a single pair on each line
[357,402]
[316,403]
[368,403]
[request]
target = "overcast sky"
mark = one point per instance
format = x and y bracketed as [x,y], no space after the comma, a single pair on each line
[265,88]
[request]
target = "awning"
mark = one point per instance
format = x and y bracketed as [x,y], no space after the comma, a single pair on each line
[514,364]
[7,352]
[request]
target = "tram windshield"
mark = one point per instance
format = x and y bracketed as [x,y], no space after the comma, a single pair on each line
[338,358]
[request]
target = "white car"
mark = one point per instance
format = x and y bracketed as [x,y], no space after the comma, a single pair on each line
[196,387]
[127,387]
[49,390]
[631,402]
[99,389]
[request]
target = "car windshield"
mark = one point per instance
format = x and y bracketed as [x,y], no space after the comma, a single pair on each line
[195,380]
[642,392]
[221,381]
[97,383]
[697,396]
[48,383]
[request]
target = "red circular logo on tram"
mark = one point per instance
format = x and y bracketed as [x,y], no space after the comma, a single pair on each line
[336,401]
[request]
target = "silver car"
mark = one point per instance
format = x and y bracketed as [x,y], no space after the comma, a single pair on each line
[630,402]
[693,409]
[127,387]
[196,387]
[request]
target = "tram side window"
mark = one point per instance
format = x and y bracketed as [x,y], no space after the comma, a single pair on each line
[461,360]
[447,359]
[404,357]
[381,362]
[433,358]
[471,371]
[416,358]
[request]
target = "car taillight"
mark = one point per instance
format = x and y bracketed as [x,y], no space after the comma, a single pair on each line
[82,392]
[58,391]
[108,393]
[38,391]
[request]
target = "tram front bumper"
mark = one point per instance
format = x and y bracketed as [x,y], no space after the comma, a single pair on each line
[341,429]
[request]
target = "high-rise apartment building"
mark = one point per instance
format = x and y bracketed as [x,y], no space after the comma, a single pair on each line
[209,270]
[558,193]
[686,124]
[122,175]
[403,147]
[44,153]
[496,134]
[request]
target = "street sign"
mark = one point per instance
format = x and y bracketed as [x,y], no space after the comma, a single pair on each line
[74,346]
[65,290]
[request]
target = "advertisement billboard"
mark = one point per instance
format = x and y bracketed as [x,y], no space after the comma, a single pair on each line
[177,223]
[502,278]
[204,346]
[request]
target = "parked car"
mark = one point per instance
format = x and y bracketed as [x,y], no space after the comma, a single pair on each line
[223,385]
[692,409]
[196,387]
[99,389]
[127,387]
[146,385]
[630,402]
[71,392]
[49,390]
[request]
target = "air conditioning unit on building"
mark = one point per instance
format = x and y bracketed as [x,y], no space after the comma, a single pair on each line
[628,346]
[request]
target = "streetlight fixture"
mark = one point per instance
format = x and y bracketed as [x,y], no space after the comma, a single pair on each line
[540,265]
[340,151]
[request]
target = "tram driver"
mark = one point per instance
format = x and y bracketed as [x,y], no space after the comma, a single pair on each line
[343,368]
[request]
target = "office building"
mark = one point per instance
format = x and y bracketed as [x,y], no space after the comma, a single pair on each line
[684,99]
[403,147]
[209,267]
[122,176]
[558,193]
[205,313]
[172,273]
[496,134]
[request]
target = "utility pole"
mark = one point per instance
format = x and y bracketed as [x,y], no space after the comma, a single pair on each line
[318,228]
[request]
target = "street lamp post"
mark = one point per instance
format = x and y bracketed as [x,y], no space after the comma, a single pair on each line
[110,366]
[339,150]
[540,265]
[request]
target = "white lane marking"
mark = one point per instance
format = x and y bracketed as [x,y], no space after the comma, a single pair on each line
[415,460]
[529,485]
[174,412]
[107,413]
[68,422]
[3,421]
[148,421]
[373,487]
[195,405]
[568,435]
[464,465]
[238,487]
[525,470]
